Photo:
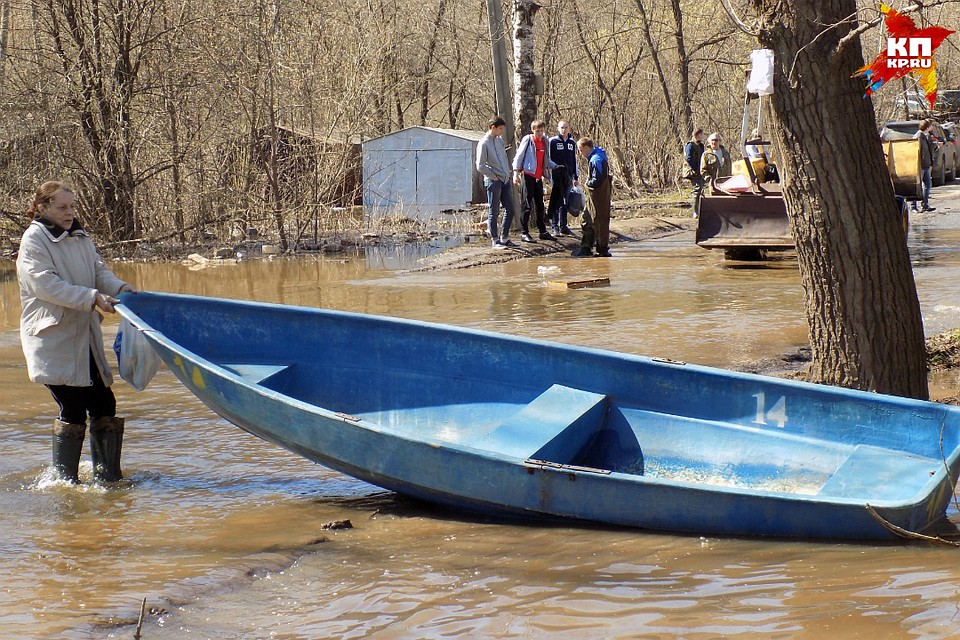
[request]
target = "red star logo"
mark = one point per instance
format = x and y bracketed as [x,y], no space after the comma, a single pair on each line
[909,50]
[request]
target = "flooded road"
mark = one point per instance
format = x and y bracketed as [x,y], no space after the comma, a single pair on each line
[222,532]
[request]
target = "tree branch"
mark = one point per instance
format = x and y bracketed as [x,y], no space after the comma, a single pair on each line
[866,26]
[720,39]
[737,21]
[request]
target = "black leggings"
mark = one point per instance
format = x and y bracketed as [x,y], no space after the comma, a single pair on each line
[75,402]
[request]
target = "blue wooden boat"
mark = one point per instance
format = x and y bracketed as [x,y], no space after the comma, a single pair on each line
[510,426]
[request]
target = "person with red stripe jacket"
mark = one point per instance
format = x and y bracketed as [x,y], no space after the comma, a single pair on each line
[530,165]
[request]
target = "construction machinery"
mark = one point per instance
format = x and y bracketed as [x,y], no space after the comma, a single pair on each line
[746,225]
[746,216]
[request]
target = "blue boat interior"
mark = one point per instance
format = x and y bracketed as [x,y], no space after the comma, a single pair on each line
[573,407]
[572,428]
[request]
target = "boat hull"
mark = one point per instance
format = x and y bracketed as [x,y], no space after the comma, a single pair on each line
[515,427]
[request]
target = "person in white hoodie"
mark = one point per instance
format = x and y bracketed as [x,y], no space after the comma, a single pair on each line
[64,285]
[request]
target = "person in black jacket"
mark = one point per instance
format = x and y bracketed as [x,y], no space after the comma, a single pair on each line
[692,152]
[928,151]
[563,152]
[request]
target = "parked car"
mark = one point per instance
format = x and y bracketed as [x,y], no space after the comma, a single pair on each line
[911,105]
[950,129]
[914,104]
[945,157]
[947,104]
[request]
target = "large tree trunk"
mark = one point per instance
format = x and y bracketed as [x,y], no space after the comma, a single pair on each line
[860,298]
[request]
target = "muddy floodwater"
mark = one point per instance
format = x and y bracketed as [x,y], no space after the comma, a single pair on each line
[222,533]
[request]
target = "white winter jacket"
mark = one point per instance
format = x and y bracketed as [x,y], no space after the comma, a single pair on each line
[59,279]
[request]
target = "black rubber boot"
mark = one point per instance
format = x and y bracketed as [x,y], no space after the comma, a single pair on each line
[106,441]
[67,445]
[587,237]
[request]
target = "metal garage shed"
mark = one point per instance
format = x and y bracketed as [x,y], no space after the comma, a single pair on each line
[420,172]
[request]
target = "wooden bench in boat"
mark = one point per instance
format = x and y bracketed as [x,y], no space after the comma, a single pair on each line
[555,426]
[880,474]
[256,373]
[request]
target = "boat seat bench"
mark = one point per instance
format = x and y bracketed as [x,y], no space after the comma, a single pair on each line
[256,373]
[555,426]
[880,474]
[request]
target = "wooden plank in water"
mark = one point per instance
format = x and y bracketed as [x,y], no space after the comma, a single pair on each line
[579,284]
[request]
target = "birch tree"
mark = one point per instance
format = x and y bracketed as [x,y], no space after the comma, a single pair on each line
[524,74]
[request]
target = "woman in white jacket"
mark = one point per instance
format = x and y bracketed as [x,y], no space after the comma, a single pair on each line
[64,284]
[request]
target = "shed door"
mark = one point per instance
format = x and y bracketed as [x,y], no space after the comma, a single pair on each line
[395,180]
[444,178]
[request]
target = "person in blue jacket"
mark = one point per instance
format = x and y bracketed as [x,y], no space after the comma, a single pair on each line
[599,184]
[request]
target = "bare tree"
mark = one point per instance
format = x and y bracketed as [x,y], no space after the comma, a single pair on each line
[4,38]
[100,45]
[611,65]
[679,125]
[430,54]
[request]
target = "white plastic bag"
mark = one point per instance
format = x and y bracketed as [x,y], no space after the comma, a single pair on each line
[761,72]
[137,360]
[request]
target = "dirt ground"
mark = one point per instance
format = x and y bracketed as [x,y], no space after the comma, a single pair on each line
[630,221]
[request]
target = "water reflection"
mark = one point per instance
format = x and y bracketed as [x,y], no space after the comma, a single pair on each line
[405,255]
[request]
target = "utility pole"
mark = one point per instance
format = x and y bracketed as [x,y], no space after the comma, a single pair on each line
[501,80]
[501,73]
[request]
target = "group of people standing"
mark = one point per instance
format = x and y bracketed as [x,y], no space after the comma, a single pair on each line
[537,159]
[705,164]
